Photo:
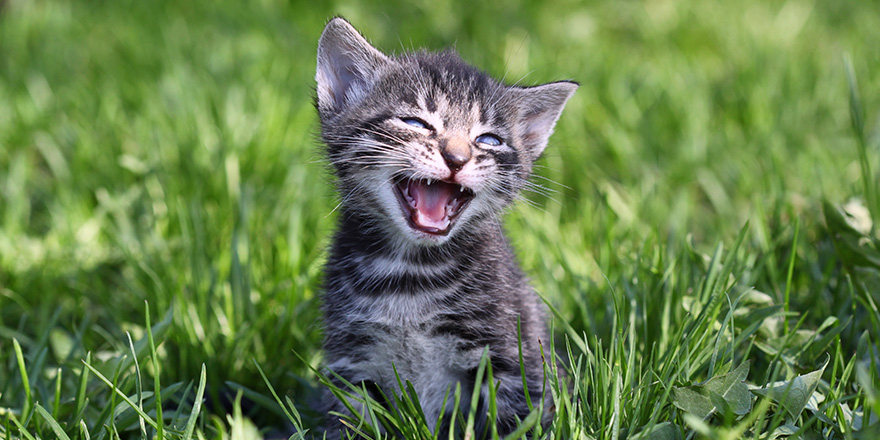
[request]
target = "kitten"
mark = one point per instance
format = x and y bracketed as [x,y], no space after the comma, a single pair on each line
[428,151]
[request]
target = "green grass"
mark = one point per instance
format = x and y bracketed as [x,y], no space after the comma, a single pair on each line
[165,210]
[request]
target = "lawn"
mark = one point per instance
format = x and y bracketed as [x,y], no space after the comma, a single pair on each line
[706,238]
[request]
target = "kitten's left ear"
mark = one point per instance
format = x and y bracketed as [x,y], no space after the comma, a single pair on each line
[347,66]
[539,109]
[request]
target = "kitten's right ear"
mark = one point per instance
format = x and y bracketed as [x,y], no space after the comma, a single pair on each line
[347,66]
[540,107]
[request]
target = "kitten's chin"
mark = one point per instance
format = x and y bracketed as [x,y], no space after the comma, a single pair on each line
[431,207]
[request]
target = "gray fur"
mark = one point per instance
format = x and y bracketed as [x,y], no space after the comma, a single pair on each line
[428,302]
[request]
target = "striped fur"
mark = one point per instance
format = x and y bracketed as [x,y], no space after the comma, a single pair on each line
[408,282]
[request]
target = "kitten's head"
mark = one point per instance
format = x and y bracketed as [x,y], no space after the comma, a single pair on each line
[422,143]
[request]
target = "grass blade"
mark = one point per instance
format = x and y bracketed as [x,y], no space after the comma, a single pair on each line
[138,383]
[857,120]
[25,381]
[527,424]
[475,394]
[24,433]
[196,408]
[56,403]
[292,416]
[794,244]
[157,389]
[81,399]
[56,428]
[125,398]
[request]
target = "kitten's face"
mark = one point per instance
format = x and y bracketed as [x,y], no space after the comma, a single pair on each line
[424,144]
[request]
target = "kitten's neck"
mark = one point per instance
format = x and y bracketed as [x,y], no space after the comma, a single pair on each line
[365,262]
[359,234]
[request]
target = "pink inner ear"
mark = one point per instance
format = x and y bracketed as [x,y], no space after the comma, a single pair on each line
[347,63]
[344,77]
[338,74]
[541,107]
[537,128]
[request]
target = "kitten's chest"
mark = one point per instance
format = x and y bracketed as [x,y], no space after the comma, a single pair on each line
[396,317]
[431,362]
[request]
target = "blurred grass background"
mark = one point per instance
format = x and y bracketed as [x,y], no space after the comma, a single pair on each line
[166,152]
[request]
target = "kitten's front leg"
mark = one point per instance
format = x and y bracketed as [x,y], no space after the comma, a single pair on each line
[510,403]
[333,407]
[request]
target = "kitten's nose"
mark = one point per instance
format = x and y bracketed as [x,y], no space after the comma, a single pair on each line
[456,153]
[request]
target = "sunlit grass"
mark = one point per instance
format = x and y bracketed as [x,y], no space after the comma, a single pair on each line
[712,196]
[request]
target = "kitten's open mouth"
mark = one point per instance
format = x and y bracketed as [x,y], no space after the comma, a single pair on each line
[432,205]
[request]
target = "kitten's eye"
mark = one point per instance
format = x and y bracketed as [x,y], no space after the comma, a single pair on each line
[416,122]
[489,139]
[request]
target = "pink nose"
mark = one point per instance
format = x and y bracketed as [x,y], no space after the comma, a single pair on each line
[456,153]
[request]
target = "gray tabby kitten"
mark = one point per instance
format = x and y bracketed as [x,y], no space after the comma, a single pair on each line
[428,151]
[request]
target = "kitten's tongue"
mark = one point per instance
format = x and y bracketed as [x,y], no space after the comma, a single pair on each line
[433,204]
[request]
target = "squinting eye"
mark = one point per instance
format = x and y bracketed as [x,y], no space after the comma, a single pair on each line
[489,139]
[416,122]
